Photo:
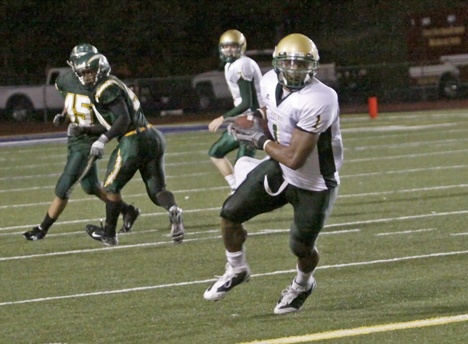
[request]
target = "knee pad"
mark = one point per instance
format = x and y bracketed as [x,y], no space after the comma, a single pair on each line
[300,248]
[90,188]
[63,185]
[228,211]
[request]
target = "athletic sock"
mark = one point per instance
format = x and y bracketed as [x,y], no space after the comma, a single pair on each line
[112,216]
[47,222]
[303,278]
[123,208]
[236,259]
[231,179]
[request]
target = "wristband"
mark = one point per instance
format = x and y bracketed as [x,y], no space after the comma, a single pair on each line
[264,145]
[103,138]
[259,113]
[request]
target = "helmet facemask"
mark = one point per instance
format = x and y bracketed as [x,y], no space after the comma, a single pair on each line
[80,50]
[295,72]
[90,68]
[229,52]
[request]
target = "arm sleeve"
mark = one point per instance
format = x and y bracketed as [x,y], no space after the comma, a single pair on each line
[246,91]
[122,121]
[94,130]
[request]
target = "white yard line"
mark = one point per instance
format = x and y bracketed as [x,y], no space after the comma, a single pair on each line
[181,284]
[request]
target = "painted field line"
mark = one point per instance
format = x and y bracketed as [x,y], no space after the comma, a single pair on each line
[172,285]
[364,330]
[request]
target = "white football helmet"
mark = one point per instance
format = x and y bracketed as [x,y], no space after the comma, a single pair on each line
[295,61]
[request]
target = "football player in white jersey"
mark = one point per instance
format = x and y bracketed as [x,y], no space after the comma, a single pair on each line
[243,78]
[306,153]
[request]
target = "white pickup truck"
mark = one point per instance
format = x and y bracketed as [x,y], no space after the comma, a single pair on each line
[21,103]
[213,92]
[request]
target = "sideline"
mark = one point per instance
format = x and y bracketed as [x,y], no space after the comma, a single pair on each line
[358,331]
[43,138]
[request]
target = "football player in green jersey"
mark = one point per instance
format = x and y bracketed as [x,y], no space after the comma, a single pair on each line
[141,146]
[78,110]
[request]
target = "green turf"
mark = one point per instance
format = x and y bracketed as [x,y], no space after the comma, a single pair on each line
[393,252]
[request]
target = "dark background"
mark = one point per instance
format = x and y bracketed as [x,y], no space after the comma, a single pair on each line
[172,37]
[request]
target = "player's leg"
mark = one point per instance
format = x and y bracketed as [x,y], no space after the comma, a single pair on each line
[122,165]
[153,174]
[75,164]
[218,151]
[249,200]
[311,210]
[92,186]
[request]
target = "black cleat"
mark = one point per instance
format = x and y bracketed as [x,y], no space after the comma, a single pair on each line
[293,297]
[226,282]
[37,233]
[99,234]
[129,218]
[177,224]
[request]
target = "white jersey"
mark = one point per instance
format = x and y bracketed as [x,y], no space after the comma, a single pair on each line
[312,109]
[247,69]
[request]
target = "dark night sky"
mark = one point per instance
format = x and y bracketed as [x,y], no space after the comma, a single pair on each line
[179,37]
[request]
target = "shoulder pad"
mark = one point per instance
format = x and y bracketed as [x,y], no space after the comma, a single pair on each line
[65,81]
[107,92]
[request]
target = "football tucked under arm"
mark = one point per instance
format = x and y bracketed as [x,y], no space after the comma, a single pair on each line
[250,130]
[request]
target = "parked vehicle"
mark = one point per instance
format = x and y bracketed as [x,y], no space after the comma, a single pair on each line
[438,51]
[161,96]
[20,103]
[212,89]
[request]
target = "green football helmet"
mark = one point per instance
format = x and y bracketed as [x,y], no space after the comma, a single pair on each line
[90,68]
[80,50]
[295,61]
[232,45]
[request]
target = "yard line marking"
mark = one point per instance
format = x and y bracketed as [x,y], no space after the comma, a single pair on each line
[407,232]
[358,331]
[333,225]
[405,156]
[412,170]
[392,192]
[406,144]
[148,244]
[87,199]
[171,285]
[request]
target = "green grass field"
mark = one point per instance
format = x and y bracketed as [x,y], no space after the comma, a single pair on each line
[394,254]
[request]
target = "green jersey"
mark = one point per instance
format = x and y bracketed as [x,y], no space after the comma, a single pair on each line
[78,106]
[78,110]
[108,90]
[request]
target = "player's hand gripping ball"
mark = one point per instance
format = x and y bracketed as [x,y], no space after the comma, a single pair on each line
[248,121]
[250,130]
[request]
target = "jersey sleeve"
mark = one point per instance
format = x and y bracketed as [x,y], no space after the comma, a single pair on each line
[60,84]
[318,114]
[247,70]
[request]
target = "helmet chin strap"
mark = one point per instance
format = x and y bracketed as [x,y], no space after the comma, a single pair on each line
[307,80]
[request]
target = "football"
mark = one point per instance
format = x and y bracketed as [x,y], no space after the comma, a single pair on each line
[246,122]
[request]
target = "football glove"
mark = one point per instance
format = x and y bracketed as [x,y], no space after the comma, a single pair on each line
[253,136]
[97,149]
